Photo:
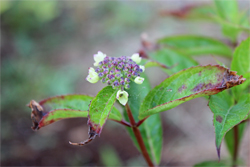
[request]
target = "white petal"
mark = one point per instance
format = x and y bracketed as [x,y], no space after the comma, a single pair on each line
[98,58]
[139,80]
[93,76]
[122,97]
[136,58]
[142,67]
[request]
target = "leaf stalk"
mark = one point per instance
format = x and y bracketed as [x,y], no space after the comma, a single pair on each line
[236,145]
[138,137]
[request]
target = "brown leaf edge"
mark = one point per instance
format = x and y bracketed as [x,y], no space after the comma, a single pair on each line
[230,79]
[38,113]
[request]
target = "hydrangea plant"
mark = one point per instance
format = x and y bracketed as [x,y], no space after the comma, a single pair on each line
[127,84]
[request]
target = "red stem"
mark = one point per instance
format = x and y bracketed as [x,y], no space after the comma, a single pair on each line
[140,122]
[123,122]
[236,144]
[138,136]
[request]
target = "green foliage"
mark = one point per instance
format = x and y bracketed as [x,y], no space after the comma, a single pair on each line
[240,63]
[100,108]
[229,137]
[180,88]
[212,164]
[174,55]
[196,45]
[241,58]
[151,129]
[226,114]
[170,58]
[231,110]
[229,18]
[69,106]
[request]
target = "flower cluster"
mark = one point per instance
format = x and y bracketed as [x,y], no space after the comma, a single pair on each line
[117,72]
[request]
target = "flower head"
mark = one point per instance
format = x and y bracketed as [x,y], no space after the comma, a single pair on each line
[117,72]
[136,58]
[93,76]
[98,58]
[122,97]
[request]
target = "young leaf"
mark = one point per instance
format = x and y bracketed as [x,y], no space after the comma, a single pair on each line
[151,129]
[196,45]
[173,59]
[100,108]
[186,85]
[226,114]
[61,107]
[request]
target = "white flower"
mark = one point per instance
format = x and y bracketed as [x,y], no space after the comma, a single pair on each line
[139,80]
[122,97]
[136,58]
[142,67]
[93,76]
[98,58]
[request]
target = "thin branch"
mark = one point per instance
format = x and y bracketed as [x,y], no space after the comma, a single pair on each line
[140,122]
[138,136]
[130,116]
[123,122]
[236,145]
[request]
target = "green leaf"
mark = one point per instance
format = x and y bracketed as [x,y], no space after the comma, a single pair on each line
[186,85]
[229,137]
[241,57]
[100,108]
[212,164]
[196,45]
[61,107]
[226,114]
[151,129]
[173,59]
[151,63]
[229,14]
[240,63]
[228,11]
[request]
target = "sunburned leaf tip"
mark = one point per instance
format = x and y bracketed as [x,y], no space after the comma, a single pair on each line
[37,113]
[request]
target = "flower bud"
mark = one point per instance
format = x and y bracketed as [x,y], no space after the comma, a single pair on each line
[142,68]
[139,80]
[122,97]
[136,58]
[93,76]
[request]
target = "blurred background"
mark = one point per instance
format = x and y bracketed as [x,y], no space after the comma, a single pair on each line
[46,49]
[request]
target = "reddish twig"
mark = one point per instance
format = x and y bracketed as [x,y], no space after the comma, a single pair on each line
[140,122]
[123,122]
[236,145]
[138,136]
